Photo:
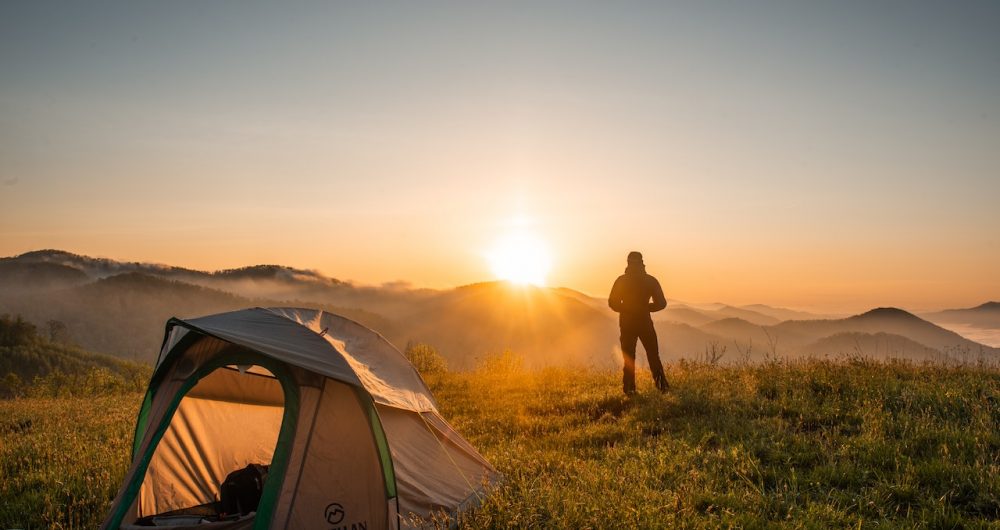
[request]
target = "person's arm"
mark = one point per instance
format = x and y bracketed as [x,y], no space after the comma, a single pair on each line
[659,301]
[615,298]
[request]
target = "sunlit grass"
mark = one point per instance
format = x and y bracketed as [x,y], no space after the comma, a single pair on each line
[802,445]
[62,460]
[806,445]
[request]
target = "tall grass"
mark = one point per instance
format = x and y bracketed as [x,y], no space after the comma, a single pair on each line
[802,445]
[62,459]
[814,444]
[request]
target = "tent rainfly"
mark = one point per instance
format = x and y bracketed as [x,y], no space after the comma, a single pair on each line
[349,432]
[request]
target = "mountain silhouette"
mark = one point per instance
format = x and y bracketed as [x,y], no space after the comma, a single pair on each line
[124,314]
[543,325]
[872,346]
[982,316]
[687,314]
[120,307]
[783,314]
[753,317]
[888,320]
[17,276]
[98,267]
[682,341]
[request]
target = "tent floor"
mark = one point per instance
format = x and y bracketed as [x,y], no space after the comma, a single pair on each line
[181,522]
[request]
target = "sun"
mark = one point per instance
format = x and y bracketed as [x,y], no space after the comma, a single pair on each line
[521,258]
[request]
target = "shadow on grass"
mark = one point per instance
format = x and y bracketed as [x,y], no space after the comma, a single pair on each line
[607,407]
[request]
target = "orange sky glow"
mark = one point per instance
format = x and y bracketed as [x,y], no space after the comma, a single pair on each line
[831,158]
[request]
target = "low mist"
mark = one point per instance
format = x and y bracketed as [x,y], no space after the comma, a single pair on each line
[120,308]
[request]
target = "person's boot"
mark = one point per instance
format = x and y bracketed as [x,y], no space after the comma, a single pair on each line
[628,384]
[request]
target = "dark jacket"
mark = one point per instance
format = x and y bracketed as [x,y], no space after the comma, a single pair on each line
[632,292]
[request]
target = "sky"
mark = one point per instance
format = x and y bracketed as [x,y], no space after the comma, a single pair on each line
[821,155]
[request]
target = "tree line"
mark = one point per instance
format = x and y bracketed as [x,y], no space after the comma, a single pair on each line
[35,363]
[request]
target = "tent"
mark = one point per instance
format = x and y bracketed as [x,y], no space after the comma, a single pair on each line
[350,432]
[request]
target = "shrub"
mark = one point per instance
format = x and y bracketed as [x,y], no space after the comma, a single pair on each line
[11,385]
[425,358]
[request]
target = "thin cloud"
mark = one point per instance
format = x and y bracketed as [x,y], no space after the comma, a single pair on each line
[11,181]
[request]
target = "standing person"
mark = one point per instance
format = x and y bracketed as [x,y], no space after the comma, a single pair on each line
[630,298]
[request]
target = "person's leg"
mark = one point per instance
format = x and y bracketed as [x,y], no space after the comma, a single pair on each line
[649,343]
[628,340]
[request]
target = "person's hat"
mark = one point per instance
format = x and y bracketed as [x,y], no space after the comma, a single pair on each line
[635,257]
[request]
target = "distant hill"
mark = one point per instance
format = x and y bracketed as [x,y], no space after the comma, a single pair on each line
[685,315]
[872,346]
[888,320]
[682,341]
[543,325]
[17,276]
[783,314]
[97,267]
[121,307]
[26,355]
[125,314]
[737,327]
[698,317]
[756,342]
[600,304]
[980,323]
[796,338]
[256,281]
[982,316]
[753,317]
[275,272]
[752,341]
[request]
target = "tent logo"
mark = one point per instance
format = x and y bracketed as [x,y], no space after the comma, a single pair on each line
[334,513]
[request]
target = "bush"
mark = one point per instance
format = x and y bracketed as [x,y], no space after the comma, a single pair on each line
[11,385]
[425,358]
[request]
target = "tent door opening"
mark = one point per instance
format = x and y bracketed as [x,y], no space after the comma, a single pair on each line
[212,462]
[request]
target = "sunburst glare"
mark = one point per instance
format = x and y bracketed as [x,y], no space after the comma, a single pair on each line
[520,257]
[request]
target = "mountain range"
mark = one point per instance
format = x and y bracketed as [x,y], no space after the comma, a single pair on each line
[120,308]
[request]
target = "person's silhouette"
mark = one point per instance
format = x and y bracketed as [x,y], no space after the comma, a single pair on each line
[630,298]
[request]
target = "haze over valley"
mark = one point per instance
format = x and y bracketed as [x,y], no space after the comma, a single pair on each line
[120,307]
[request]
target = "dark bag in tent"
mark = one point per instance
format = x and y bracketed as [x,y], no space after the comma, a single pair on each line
[240,492]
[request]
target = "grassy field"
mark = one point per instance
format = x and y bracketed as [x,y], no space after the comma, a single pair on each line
[850,444]
[62,459]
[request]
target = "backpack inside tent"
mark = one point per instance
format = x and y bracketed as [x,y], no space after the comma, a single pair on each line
[291,418]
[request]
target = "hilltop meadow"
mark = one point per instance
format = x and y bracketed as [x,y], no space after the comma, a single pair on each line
[772,425]
[796,444]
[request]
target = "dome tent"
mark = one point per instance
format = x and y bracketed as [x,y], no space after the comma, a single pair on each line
[350,432]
